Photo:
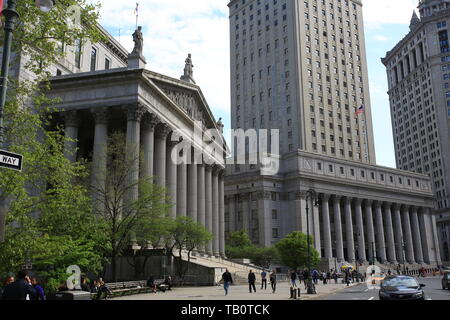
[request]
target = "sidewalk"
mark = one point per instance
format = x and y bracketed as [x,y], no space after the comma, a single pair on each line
[239,292]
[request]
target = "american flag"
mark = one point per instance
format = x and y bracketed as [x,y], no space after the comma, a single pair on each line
[136,11]
[360,110]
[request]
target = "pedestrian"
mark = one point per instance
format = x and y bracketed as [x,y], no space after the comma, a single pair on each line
[273,281]
[19,289]
[9,280]
[347,277]
[306,277]
[264,279]
[315,276]
[389,272]
[103,290]
[293,279]
[227,281]
[251,281]
[324,275]
[38,293]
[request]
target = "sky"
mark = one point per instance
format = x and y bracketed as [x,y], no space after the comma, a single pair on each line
[174,28]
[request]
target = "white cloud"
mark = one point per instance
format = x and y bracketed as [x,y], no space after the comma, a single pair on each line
[174,28]
[377,12]
[381,38]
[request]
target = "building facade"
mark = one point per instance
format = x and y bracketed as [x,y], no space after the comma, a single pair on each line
[150,108]
[300,67]
[419,94]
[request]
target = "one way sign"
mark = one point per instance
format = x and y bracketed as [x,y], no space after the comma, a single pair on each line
[10,160]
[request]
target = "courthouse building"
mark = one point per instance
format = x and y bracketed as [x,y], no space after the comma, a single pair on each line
[103,89]
[300,67]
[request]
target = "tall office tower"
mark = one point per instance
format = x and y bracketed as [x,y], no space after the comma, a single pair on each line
[300,66]
[418,70]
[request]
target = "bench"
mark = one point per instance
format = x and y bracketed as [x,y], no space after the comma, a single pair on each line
[118,289]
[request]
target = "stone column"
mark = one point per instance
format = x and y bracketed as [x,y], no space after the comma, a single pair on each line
[182,190]
[134,115]
[148,123]
[426,238]
[232,213]
[215,210]
[71,132]
[436,239]
[370,230]
[99,157]
[246,212]
[264,225]
[209,206]
[407,235]
[390,242]
[398,235]
[349,230]
[360,231]
[201,198]
[192,204]
[327,227]
[415,230]
[338,229]
[381,245]
[221,214]
[171,176]
[161,133]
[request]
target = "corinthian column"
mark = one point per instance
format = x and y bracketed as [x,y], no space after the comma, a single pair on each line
[221,215]
[99,156]
[201,198]
[161,133]
[381,244]
[415,230]
[398,232]
[349,230]
[182,190]
[209,206]
[338,229]
[148,123]
[360,229]
[215,211]
[171,176]
[71,132]
[326,227]
[192,205]
[134,115]
[390,243]
[407,235]
[370,230]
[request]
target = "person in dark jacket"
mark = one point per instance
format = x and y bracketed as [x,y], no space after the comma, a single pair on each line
[85,285]
[151,283]
[38,292]
[273,281]
[19,289]
[251,281]
[227,281]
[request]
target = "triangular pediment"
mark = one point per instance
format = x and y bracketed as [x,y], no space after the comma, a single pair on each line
[186,96]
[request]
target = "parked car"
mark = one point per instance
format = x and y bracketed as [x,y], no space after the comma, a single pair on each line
[446,280]
[401,288]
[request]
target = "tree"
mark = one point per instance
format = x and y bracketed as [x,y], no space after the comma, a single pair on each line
[293,251]
[45,203]
[124,214]
[185,234]
[239,239]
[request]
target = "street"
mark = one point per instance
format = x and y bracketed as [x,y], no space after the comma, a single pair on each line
[433,291]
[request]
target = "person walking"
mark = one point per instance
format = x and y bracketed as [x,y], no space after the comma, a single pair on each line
[324,276]
[20,289]
[227,281]
[293,279]
[306,277]
[264,280]
[273,281]
[251,281]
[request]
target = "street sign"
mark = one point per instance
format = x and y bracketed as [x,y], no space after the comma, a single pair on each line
[10,160]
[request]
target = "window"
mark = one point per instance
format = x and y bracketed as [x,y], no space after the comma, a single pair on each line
[93,58]
[274,214]
[107,64]
[78,49]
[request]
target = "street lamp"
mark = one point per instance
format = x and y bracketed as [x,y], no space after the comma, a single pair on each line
[11,17]
[311,195]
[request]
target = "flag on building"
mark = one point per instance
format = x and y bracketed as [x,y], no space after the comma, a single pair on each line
[136,11]
[360,110]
